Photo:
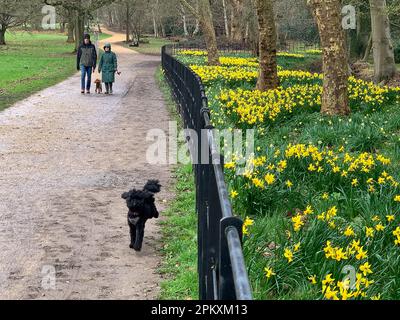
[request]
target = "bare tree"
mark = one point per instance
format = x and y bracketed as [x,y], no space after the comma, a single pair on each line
[205,17]
[16,13]
[82,11]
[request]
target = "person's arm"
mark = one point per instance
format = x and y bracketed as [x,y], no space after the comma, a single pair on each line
[78,58]
[94,58]
[115,62]
[101,63]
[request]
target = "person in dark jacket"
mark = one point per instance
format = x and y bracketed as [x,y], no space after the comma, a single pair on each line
[108,66]
[86,62]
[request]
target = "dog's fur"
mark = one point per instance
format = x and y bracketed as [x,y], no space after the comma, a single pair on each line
[141,204]
[99,86]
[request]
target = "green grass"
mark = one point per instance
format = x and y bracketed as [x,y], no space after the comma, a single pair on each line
[32,62]
[179,229]
[104,36]
[152,48]
[179,232]
[375,130]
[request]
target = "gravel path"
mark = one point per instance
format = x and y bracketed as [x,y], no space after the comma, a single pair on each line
[65,159]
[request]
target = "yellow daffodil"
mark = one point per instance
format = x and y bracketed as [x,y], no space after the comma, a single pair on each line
[349,232]
[269,272]
[234,194]
[288,255]
[365,269]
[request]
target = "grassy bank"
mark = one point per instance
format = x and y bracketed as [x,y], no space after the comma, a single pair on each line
[179,229]
[32,62]
[153,47]
[322,197]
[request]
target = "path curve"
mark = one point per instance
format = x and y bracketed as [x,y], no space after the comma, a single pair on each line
[65,159]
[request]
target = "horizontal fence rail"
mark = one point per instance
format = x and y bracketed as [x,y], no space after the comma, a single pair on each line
[221,266]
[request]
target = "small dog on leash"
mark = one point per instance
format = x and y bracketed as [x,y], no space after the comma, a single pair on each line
[99,86]
[141,204]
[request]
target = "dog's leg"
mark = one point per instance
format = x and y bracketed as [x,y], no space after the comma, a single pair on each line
[133,235]
[140,234]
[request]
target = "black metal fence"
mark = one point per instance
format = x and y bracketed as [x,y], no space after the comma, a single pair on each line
[221,266]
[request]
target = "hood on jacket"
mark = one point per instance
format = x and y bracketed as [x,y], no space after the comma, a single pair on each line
[107,45]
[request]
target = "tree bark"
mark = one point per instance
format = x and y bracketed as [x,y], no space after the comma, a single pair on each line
[207,24]
[226,23]
[335,99]
[197,27]
[128,22]
[164,34]
[71,29]
[79,30]
[3,37]
[368,49]
[237,27]
[184,22]
[155,27]
[268,78]
[205,17]
[383,51]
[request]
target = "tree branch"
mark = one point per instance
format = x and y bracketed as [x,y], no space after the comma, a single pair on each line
[190,8]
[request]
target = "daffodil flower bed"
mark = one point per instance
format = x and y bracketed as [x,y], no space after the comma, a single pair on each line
[193,53]
[320,197]
[257,108]
[237,74]
[327,237]
[204,53]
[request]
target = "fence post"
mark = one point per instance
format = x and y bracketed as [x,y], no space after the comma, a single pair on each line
[227,284]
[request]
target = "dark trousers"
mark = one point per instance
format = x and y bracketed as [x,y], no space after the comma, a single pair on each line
[86,72]
[109,86]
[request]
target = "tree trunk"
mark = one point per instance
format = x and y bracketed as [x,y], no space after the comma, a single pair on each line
[207,24]
[71,29]
[128,23]
[335,62]
[368,49]
[184,22]
[155,28]
[164,34]
[237,27]
[197,27]
[268,78]
[3,36]
[110,18]
[225,18]
[79,30]
[384,64]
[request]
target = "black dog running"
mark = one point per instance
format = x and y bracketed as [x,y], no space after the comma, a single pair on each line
[141,204]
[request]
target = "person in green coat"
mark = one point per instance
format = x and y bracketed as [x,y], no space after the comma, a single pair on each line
[108,66]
